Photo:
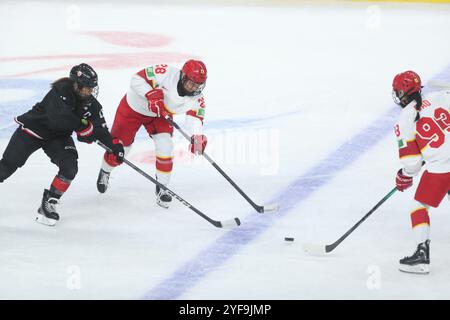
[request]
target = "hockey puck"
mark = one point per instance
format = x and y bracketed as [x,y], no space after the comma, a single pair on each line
[288,239]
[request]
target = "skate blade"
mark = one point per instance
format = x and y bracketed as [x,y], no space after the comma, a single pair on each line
[418,268]
[40,218]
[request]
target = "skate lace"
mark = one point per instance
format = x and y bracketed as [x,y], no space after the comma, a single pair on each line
[418,252]
[164,193]
[50,204]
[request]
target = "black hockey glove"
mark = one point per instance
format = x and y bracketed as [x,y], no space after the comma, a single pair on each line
[85,132]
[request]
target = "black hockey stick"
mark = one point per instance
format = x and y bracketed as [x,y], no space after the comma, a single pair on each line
[261,209]
[219,224]
[318,249]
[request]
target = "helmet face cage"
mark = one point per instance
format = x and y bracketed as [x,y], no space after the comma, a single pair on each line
[397,96]
[85,77]
[94,92]
[184,79]
[193,74]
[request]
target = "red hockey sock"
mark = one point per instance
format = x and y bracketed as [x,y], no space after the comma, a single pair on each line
[420,221]
[420,216]
[60,185]
[164,164]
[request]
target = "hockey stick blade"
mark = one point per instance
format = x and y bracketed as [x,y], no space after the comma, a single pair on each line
[260,209]
[217,224]
[315,249]
[270,208]
[230,223]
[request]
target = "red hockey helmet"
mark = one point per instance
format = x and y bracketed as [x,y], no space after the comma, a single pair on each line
[404,85]
[195,70]
[193,77]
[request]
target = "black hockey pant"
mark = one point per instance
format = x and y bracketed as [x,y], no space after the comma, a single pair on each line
[61,152]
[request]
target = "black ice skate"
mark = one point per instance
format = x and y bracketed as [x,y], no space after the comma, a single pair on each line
[163,198]
[419,262]
[103,181]
[47,213]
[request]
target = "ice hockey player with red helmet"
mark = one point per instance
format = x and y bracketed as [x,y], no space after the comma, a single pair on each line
[157,92]
[423,134]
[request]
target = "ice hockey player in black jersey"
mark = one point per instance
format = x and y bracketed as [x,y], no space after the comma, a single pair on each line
[69,106]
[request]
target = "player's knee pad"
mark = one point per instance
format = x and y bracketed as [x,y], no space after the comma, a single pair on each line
[163,144]
[68,167]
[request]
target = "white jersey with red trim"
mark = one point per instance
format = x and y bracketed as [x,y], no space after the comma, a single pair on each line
[425,134]
[166,77]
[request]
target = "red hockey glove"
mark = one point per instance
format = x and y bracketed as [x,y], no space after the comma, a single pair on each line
[115,157]
[85,132]
[403,182]
[198,143]
[156,102]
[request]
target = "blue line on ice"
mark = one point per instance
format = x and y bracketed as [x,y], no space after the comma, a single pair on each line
[300,189]
[199,266]
[10,109]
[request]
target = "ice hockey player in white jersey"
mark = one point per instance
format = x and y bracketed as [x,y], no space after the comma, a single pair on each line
[157,92]
[423,134]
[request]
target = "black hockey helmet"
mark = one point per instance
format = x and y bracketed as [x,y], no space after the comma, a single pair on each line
[85,77]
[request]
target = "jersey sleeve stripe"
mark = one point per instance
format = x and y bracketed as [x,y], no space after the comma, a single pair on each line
[143,75]
[411,149]
[194,114]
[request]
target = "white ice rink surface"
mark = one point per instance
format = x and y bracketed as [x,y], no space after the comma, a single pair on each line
[290,91]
